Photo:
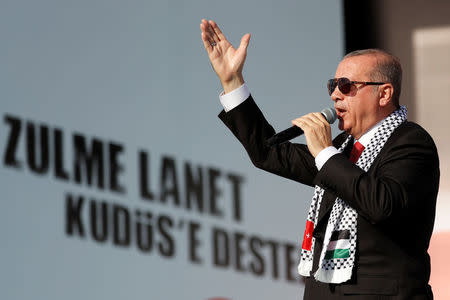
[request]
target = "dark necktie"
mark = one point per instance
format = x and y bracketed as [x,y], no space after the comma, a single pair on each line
[356,152]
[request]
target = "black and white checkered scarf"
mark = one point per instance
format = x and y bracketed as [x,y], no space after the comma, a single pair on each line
[338,253]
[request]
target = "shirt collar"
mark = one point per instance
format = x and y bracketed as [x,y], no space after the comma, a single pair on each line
[366,137]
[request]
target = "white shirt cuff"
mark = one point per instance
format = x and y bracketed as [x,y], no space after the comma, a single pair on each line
[325,155]
[234,98]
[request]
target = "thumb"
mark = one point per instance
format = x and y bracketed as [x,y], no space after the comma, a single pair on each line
[244,42]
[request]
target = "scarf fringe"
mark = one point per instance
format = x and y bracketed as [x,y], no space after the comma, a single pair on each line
[304,268]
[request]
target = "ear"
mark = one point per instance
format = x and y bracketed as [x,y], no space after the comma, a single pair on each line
[385,93]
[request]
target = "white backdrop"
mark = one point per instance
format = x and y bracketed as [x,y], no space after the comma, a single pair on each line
[128,77]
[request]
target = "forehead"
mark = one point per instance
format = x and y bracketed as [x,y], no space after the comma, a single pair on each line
[356,67]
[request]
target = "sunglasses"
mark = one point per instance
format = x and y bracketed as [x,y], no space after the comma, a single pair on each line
[345,85]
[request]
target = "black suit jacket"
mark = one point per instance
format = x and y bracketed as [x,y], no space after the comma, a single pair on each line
[395,200]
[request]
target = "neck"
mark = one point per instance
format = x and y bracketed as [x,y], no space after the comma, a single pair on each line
[382,114]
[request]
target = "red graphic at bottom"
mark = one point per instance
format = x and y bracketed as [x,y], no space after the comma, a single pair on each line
[307,238]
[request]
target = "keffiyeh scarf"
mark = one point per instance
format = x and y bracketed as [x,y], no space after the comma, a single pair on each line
[337,257]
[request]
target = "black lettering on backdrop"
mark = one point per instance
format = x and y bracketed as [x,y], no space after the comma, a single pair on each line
[89,161]
[99,220]
[194,242]
[37,165]
[121,221]
[244,253]
[273,246]
[115,168]
[10,159]
[169,181]
[144,231]
[239,251]
[220,247]
[107,222]
[144,178]
[60,172]
[198,182]
[236,182]
[214,192]
[194,187]
[257,266]
[73,215]
[113,223]
[166,246]
[37,153]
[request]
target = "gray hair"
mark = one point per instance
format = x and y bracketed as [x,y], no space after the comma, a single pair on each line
[387,69]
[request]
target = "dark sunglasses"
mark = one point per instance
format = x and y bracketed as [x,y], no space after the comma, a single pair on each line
[345,85]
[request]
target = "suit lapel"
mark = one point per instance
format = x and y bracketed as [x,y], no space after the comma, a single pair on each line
[328,198]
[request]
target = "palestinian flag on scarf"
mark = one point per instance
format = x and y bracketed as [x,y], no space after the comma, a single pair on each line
[339,245]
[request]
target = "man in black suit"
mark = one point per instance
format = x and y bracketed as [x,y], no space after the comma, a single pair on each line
[372,215]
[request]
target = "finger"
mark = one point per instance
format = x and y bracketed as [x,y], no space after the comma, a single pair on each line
[307,122]
[316,118]
[320,117]
[205,28]
[217,31]
[212,32]
[300,122]
[204,25]
[206,43]
[206,36]
[245,40]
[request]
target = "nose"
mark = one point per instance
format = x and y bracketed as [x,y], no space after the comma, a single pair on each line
[336,95]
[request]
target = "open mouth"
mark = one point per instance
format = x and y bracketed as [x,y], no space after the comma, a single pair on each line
[340,112]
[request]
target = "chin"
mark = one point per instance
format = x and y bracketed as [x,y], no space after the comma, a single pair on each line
[341,124]
[344,126]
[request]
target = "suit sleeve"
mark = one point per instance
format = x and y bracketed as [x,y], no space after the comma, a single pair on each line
[402,179]
[289,160]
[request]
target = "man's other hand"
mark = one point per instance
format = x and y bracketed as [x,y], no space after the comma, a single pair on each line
[226,61]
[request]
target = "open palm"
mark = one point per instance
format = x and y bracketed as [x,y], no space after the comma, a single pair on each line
[226,61]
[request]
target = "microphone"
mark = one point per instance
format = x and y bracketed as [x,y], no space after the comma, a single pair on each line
[290,133]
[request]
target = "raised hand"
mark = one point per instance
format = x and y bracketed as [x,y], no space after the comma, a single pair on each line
[226,61]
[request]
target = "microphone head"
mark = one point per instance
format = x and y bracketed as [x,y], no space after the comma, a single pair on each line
[329,114]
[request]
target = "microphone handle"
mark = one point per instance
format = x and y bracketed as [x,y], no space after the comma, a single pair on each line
[284,136]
